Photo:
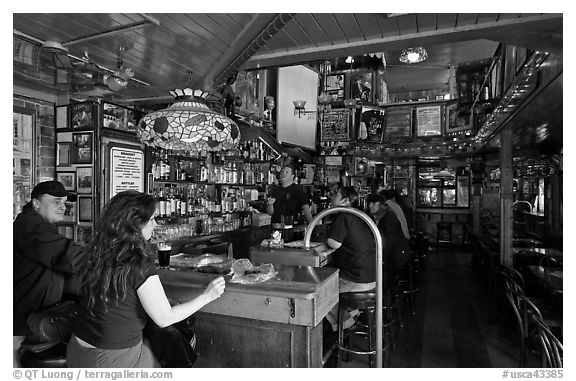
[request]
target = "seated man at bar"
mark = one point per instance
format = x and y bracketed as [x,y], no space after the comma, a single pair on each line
[288,199]
[44,260]
[355,254]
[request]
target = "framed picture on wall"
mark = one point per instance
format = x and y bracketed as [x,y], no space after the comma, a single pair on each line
[84,208]
[81,152]
[84,235]
[67,231]
[335,82]
[69,212]
[362,87]
[68,179]
[428,121]
[371,128]
[81,115]
[84,179]
[63,154]
[335,127]
[455,121]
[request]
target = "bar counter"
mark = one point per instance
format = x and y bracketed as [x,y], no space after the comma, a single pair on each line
[317,256]
[276,323]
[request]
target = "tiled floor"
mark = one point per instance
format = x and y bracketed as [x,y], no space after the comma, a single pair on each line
[456,324]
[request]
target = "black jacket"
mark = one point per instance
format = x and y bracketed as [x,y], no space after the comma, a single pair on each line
[42,259]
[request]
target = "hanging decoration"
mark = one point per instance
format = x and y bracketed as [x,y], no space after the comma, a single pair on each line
[188,125]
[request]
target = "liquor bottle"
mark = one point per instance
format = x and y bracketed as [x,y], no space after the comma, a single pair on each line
[183,208]
[154,166]
[167,191]
[162,203]
[246,150]
[177,201]
[190,202]
[166,174]
[178,169]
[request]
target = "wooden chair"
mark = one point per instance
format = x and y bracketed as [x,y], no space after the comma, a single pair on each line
[551,261]
[551,348]
[488,262]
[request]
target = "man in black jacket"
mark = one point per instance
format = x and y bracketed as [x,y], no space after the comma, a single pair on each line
[43,260]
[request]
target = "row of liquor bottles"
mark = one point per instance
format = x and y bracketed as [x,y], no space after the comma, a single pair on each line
[216,171]
[176,200]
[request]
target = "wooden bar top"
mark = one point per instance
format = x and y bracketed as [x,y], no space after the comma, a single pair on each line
[318,256]
[300,295]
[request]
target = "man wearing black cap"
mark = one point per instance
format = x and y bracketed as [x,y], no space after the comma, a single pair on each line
[43,259]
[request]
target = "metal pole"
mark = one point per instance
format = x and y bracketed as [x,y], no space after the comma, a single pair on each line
[378,239]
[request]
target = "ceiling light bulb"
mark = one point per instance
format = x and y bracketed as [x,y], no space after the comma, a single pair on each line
[413,56]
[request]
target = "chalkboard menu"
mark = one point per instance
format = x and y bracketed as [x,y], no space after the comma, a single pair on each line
[428,121]
[398,122]
[334,127]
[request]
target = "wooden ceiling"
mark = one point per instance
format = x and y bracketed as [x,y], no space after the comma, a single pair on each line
[172,50]
[192,49]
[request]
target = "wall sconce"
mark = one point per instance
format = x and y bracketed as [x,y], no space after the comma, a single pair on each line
[324,101]
[299,107]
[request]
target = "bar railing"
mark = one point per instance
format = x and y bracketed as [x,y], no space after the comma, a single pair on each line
[378,238]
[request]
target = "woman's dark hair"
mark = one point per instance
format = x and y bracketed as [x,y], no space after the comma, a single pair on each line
[351,194]
[118,251]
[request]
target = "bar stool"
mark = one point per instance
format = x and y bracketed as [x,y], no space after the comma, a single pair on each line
[42,355]
[444,234]
[407,284]
[365,302]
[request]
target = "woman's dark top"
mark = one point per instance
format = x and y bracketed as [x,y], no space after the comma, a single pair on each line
[121,326]
[396,246]
[356,258]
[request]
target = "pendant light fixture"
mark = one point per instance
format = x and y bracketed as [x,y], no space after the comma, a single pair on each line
[188,125]
[413,55]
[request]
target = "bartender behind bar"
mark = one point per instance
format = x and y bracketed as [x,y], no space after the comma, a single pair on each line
[288,199]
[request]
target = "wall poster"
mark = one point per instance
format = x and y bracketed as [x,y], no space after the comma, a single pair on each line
[428,121]
[334,126]
[126,170]
[371,128]
[398,122]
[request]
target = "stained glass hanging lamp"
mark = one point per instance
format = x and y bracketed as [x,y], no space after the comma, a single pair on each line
[188,125]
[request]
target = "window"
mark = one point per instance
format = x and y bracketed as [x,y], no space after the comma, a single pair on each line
[22,159]
[443,187]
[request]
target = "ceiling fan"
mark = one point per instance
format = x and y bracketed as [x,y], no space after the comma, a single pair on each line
[82,69]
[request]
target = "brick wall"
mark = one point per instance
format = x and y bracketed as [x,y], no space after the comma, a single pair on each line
[45,135]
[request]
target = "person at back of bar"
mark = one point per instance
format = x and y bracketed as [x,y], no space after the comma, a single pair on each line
[121,288]
[44,261]
[389,196]
[288,199]
[355,254]
[396,248]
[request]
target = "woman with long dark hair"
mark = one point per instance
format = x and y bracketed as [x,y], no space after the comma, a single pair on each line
[121,288]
